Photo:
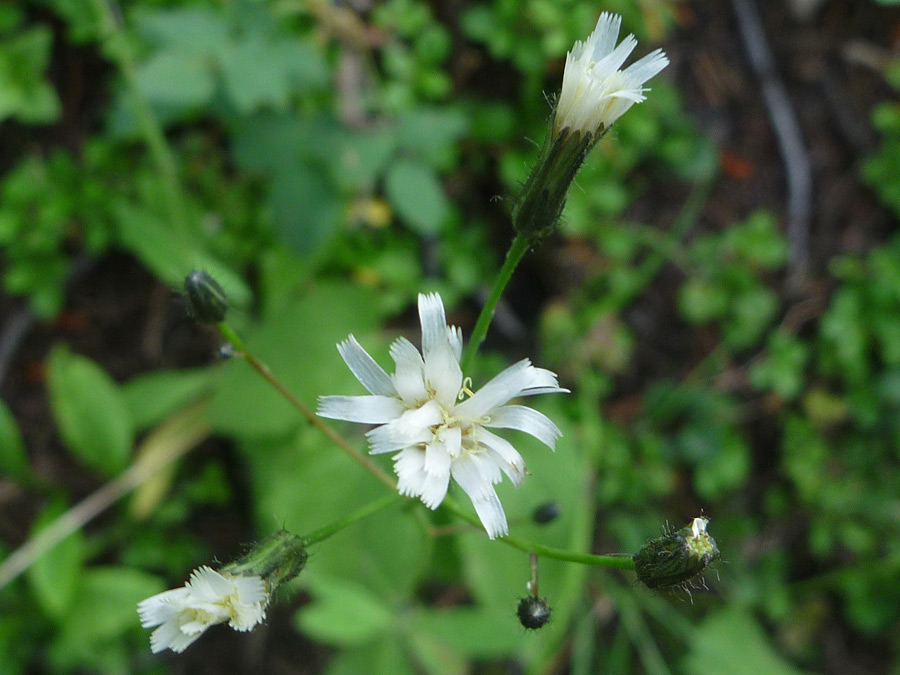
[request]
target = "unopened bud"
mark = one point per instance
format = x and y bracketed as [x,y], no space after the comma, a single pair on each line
[540,205]
[277,559]
[534,612]
[677,557]
[206,298]
[546,513]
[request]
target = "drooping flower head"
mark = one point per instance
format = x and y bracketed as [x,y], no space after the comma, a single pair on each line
[435,424]
[208,598]
[595,92]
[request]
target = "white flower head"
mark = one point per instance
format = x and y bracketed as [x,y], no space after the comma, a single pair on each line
[595,92]
[208,598]
[435,424]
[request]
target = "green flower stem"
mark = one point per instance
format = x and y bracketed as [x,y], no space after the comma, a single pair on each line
[305,410]
[621,561]
[119,50]
[364,512]
[514,256]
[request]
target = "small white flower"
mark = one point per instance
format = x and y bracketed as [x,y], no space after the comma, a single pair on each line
[208,598]
[435,424]
[595,93]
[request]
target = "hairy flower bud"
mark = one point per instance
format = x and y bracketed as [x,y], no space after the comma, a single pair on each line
[677,557]
[277,559]
[206,298]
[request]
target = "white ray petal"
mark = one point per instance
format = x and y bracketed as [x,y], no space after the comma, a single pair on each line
[372,376]
[505,456]
[408,377]
[525,419]
[362,409]
[433,320]
[487,505]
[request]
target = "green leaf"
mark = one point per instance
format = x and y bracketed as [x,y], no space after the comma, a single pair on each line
[13,459]
[106,603]
[152,397]
[306,208]
[387,655]
[176,78]
[24,91]
[731,641]
[171,254]
[54,576]
[344,613]
[90,412]
[299,346]
[476,632]
[192,29]
[418,197]
[253,78]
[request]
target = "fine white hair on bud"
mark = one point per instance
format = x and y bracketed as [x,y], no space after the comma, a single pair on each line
[183,614]
[435,425]
[595,91]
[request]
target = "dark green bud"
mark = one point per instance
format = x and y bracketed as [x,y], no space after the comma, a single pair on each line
[676,558]
[277,559]
[534,612]
[207,301]
[546,513]
[540,205]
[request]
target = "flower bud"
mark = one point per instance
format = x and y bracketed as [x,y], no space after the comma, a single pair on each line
[277,559]
[206,299]
[534,612]
[676,558]
[546,513]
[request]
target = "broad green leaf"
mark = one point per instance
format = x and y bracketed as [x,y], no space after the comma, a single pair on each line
[385,655]
[308,483]
[299,344]
[13,459]
[55,576]
[152,397]
[90,412]
[418,197]
[344,613]
[477,632]
[105,605]
[24,91]
[194,29]
[731,641]
[305,206]
[171,254]
[253,79]
[176,78]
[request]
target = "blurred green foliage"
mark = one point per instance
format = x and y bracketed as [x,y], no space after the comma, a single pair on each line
[326,166]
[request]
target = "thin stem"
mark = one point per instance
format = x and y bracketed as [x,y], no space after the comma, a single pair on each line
[514,256]
[118,49]
[305,410]
[364,512]
[619,561]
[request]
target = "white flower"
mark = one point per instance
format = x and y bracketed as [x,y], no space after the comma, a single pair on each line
[435,424]
[595,93]
[208,598]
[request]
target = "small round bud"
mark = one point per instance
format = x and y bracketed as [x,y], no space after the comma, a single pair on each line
[546,513]
[677,557]
[534,612]
[225,351]
[206,299]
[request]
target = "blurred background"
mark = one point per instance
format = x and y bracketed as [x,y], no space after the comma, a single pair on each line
[722,298]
